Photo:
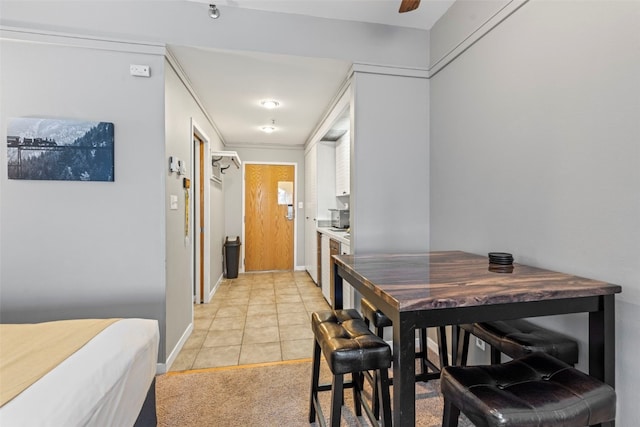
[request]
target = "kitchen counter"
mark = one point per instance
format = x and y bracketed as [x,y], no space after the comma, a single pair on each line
[341,236]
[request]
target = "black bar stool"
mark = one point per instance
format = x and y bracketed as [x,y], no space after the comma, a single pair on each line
[348,347]
[534,390]
[519,337]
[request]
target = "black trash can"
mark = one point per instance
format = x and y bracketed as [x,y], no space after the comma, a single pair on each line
[231,257]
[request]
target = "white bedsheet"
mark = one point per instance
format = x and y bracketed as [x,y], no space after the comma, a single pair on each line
[102,384]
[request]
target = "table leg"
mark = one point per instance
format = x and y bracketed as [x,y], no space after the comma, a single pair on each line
[455,342]
[336,292]
[404,372]
[602,344]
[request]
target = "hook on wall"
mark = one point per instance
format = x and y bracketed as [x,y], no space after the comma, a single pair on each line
[215,160]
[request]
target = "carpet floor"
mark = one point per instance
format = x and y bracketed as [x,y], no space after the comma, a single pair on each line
[275,394]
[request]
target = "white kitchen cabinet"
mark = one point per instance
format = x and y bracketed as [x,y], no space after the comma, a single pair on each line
[343,185]
[320,183]
[348,293]
[319,175]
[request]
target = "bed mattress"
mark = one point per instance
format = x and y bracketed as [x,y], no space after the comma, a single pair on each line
[102,384]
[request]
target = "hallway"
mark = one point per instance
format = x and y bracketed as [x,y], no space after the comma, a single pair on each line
[256,318]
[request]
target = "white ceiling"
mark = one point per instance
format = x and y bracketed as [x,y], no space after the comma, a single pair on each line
[376,11]
[230,84]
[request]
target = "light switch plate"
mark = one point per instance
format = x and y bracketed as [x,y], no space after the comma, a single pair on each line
[173,201]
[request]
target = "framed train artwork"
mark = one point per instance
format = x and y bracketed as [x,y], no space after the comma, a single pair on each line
[60,149]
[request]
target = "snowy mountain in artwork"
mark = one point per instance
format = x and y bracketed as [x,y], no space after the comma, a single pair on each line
[53,149]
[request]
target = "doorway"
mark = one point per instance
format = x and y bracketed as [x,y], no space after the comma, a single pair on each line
[269,212]
[201,218]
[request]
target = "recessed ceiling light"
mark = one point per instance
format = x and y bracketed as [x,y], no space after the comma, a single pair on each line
[268,129]
[270,104]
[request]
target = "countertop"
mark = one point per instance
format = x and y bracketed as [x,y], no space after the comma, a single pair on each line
[341,236]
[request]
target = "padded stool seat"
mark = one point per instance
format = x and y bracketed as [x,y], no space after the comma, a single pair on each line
[348,347]
[535,390]
[517,338]
[373,315]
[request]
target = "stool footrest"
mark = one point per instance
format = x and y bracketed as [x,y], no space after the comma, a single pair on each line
[327,387]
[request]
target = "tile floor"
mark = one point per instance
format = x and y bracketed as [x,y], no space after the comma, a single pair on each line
[256,318]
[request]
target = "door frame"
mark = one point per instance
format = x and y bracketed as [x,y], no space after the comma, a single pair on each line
[295,208]
[194,210]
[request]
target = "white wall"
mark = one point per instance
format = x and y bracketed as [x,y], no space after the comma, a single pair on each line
[232,185]
[84,249]
[389,163]
[188,23]
[128,272]
[181,112]
[534,151]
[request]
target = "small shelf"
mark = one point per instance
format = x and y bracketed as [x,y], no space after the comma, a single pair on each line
[225,157]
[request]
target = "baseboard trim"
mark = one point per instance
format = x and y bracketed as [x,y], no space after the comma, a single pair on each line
[176,350]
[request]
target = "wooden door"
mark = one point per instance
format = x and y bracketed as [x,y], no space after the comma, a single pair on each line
[198,225]
[269,218]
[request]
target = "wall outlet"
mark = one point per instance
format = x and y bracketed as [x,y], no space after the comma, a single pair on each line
[139,70]
[479,343]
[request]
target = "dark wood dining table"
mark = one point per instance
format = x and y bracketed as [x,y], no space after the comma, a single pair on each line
[454,287]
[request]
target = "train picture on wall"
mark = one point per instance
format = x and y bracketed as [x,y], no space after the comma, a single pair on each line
[62,150]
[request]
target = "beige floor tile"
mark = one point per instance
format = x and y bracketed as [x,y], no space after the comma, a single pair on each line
[287,291]
[285,287]
[237,293]
[295,332]
[256,318]
[232,311]
[227,323]
[290,308]
[260,353]
[184,360]
[263,292]
[236,301]
[262,320]
[261,309]
[205,310]
[316,306]
[237,290]
[308,292]
[213,357]
[223,338]
[297,318]
[195,340]
[265,285]
[297,349]
[261,335]
[289,299]
[202,323]
[263,299]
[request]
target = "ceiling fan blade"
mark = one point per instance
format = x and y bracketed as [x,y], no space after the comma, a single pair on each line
[409,5]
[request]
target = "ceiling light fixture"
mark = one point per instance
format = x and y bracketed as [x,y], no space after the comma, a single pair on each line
[214,12]
[269,128]
[270,104]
